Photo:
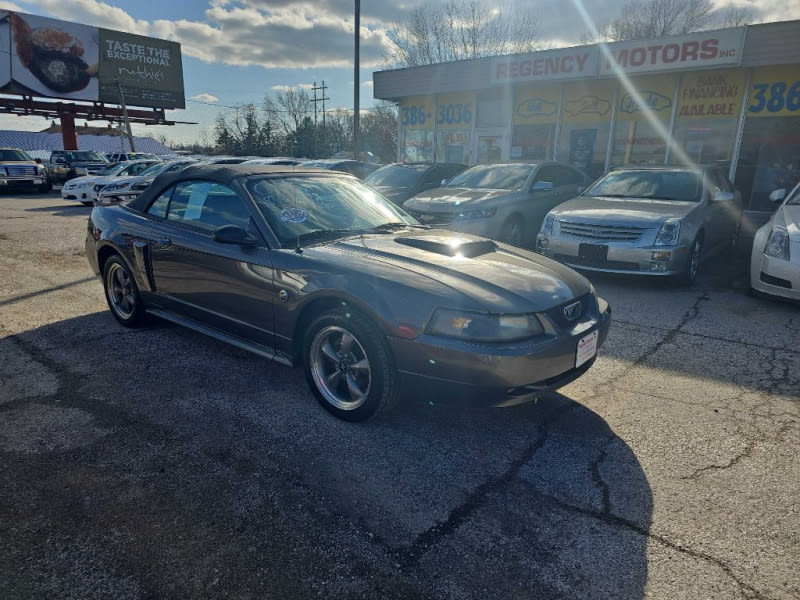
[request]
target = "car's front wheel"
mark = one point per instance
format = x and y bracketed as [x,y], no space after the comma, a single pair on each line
[692,262]
[349,366]
[122,294]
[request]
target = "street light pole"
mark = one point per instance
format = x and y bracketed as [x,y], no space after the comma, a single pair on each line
[356,141]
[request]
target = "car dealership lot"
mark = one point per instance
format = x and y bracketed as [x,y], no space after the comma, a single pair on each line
[160,463]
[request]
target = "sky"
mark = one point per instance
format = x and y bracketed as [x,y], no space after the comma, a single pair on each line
[237,51]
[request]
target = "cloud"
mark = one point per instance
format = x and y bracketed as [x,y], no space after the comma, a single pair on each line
[367,83]
[283,88]
[204,97]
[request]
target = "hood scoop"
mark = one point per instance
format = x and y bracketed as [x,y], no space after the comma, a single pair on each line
[449,245]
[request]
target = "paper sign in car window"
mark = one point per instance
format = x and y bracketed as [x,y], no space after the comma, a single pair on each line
[196,201]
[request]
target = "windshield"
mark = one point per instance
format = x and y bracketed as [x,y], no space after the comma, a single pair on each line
[14,155]
[85,155]
[112,170]
[492,177]
[312,207]
[660,185]
[142,156]
[395,176]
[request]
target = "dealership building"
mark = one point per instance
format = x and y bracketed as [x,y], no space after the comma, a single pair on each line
[727,96]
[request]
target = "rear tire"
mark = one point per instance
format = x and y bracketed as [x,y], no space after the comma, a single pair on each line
[349,366]
[122,294]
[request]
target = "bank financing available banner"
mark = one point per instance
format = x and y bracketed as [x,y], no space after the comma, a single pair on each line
[58,59]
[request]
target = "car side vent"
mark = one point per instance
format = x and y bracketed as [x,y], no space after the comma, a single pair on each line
[448,246]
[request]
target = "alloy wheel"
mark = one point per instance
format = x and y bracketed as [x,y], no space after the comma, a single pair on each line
[121,293]
[340,367]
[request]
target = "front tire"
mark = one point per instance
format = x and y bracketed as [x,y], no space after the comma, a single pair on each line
[513,231]
[692,262]
[349,367]
[122,294]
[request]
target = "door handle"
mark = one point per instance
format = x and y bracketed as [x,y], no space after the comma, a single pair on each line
[163,242]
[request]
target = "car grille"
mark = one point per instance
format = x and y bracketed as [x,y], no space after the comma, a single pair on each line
[21,170]
[600,233]
[557,314]
[433,218]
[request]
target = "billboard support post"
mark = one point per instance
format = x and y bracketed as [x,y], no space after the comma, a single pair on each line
[68,135]
[125,117]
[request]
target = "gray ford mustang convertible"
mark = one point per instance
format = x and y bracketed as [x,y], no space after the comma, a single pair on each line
[311,267]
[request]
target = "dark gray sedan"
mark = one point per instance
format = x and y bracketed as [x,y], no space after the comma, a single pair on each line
[501,202]
[315,268]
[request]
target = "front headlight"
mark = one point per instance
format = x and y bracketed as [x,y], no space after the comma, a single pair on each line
[3,171]
[39,169]
[483,327]
[547,224]
[114,187]
[483,213]
[669,233]
[778,244]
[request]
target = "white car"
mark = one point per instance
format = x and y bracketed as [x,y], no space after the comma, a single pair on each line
[775,259]
[81,189]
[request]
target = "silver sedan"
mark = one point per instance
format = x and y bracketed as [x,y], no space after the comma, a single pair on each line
[652,221]
[775,259]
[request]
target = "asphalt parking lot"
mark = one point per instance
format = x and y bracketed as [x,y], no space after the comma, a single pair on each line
[158,463]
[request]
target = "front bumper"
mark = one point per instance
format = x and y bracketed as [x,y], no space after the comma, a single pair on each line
[775,276]
[497,372]
[78,194]
[21,182]
[621,257]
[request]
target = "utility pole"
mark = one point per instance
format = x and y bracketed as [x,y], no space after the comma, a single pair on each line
[356,141]
[125,117]
[322,87]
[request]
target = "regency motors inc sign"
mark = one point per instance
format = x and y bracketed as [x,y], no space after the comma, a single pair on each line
[691,51]
[60,59]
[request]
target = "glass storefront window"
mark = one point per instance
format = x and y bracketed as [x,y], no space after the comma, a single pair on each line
[585,125]
[453,147]
[708,114]
[455,115]
[770,155]
[535,117]
[643,122]
[418,146]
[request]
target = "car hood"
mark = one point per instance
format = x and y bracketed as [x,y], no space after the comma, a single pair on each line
[81,181]
[485,275]
[642,212]
[453,198]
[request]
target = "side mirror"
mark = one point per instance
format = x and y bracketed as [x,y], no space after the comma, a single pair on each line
[233,234]
[542,186]
[721,196]
[778,195]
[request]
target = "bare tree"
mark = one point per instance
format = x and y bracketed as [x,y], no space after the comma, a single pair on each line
[288,109]
[736,16]
[458,30]
[646,19]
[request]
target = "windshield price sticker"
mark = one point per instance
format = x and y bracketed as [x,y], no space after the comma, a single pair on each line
[293,215]
[587,348]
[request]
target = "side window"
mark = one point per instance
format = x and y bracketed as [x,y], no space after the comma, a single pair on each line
[208,206]
[724,183]
[547,173]
[570,176]
[159,207]
[433,176]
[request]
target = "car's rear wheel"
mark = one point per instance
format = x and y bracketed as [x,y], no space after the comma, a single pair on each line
[513,231]
[122,294]
[85,203]
[692,262]
[349,366]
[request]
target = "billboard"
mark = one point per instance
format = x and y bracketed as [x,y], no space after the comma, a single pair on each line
[59,59]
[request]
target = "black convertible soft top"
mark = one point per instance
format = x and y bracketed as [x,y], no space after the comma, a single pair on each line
[220,173]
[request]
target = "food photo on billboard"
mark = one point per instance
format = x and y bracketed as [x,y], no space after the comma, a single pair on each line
[54,58]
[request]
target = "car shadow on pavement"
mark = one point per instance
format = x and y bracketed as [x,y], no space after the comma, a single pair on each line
[65,209]
[161,442]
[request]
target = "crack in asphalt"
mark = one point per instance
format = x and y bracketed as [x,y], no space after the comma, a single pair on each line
[597,476]
[610,518]
[408,557]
